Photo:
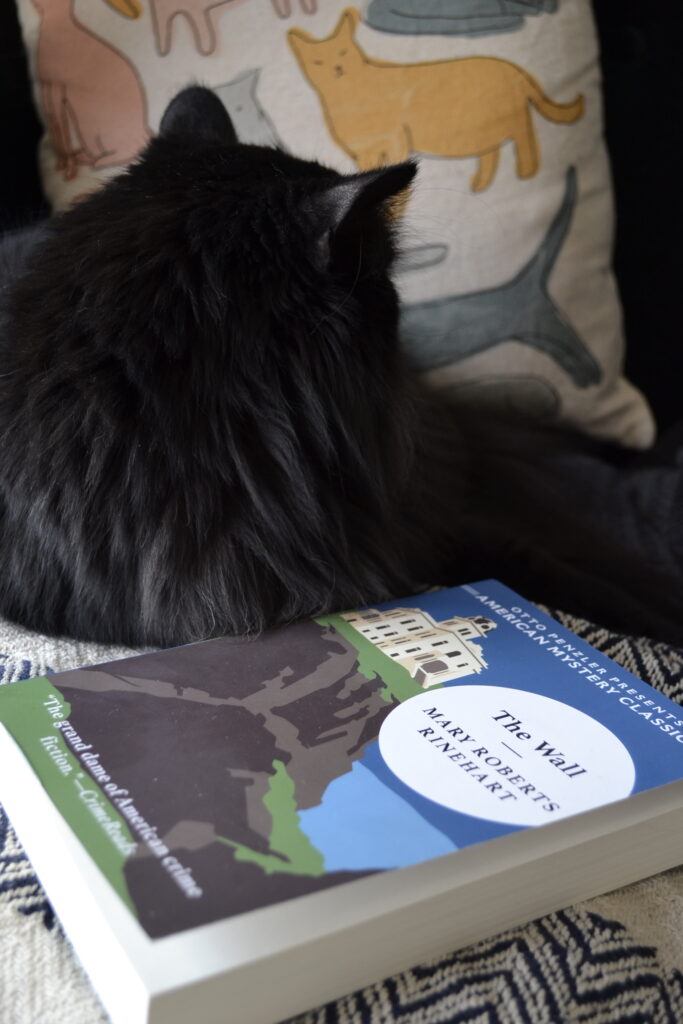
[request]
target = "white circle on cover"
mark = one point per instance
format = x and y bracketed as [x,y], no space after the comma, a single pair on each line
[504,754]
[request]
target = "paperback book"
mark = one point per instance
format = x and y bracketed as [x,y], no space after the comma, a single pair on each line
[267,823]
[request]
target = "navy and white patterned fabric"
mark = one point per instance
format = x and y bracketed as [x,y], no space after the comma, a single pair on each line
[573,966]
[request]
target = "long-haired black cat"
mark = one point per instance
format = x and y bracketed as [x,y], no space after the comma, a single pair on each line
[207,425]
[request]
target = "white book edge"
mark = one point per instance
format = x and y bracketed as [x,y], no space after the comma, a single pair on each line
[271,963]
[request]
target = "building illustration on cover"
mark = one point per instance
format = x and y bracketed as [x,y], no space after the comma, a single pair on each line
[431,651]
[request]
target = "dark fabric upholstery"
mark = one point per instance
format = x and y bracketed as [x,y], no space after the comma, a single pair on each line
[21,198]
[643,88]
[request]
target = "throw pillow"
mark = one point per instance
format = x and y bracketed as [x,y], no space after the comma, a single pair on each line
[508,296]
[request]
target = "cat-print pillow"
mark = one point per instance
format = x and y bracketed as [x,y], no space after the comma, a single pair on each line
[507,293]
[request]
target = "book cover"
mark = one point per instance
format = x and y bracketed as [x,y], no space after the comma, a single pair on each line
[214,779]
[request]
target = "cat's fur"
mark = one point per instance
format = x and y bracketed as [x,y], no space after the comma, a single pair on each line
[191,410]
[207,426]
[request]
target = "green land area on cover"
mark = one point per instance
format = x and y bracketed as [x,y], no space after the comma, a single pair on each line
[291,851]
[373,663]
[24,710]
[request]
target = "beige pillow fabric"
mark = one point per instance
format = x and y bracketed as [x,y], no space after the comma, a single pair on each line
[506,282]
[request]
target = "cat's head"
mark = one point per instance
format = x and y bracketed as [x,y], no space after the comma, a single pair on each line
[245,241]
[300,250]
[242,299]
[329,63]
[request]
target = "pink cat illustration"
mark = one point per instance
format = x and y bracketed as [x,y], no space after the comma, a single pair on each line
[199,16]
[283,8]
[93,101]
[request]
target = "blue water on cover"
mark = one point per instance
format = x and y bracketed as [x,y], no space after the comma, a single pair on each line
[358,804]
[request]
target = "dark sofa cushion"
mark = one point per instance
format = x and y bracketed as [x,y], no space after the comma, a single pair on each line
[643,95]
[21,197]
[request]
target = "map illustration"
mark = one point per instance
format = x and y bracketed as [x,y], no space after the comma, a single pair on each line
[221,769]
[228,753]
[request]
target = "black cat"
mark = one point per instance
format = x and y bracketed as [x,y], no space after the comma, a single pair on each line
[208,427]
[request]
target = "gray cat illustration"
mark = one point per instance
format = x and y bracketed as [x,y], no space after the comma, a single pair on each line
[453,17]
[250,120]
[443,331]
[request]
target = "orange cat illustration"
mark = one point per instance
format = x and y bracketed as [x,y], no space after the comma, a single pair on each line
[92,98]
[128,8]
[380,112]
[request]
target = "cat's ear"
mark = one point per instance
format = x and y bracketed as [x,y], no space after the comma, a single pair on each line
[357,193]
[197,113]
[348,22]
[299,39]
[370,188]
[342,209]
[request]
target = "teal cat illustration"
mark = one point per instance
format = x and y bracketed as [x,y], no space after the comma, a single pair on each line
[443,331]
[453,17]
